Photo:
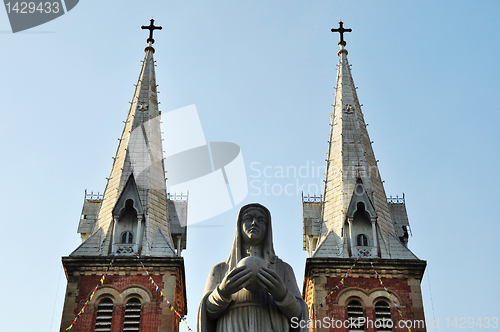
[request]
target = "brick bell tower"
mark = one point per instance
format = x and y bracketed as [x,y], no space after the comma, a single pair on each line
[360,270]
[127,274]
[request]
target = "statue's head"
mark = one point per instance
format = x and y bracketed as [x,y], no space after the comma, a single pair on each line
[253,233]
[254,222]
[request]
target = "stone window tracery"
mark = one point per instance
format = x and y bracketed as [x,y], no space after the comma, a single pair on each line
[383,316]
[132,318]
[354,313]
[104,315]
[127,237]
[362,240]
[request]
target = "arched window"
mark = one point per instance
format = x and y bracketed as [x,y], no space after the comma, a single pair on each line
[132,317]
[354,313]
[362,240]
[104,315]
[383,316]
[127,237]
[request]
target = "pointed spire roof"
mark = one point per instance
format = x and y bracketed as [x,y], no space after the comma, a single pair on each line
[137,169]
[350,161]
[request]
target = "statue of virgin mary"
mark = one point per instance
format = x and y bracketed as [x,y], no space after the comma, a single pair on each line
[254,290]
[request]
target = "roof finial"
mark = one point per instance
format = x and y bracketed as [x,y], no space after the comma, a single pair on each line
[341,30]
[151,27]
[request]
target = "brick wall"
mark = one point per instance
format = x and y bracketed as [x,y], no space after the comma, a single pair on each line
[124,280]
[402,279]
[399,287]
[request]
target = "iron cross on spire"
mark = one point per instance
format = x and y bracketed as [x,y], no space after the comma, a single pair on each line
[151,27]
[341,30]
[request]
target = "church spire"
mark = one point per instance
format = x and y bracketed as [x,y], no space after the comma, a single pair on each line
[133,211]
[127,233]
[355,237]
[353,187]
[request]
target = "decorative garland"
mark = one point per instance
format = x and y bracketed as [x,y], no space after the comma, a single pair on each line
[91,295]
[183,318]
[337,287]
[388,292]
[158,290]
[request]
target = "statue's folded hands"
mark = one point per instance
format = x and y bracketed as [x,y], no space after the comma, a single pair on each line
[237,279]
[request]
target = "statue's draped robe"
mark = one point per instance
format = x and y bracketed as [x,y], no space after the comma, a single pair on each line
[248,311]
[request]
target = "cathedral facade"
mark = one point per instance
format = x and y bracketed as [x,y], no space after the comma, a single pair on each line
[128,273]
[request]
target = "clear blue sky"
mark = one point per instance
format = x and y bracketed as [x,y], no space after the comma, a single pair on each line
[261,74]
